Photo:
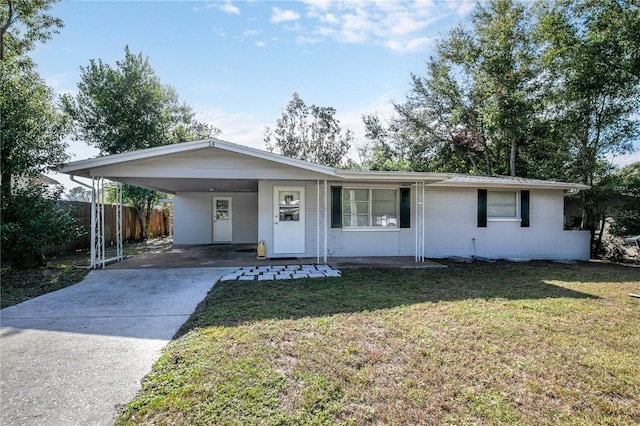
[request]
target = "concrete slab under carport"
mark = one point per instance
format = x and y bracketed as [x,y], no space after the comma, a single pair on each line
[72,356]
[167,255]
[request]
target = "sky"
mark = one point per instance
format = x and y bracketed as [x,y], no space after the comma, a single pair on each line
[237,63]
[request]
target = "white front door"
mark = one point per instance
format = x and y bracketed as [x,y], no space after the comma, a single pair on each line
[221,220]
[288,220]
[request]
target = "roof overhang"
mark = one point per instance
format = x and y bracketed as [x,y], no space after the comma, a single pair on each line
[220,166]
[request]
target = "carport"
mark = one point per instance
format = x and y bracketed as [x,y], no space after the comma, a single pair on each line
[208,167]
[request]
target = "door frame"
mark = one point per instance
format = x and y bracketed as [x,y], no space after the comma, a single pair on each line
[214,220]
[275,216]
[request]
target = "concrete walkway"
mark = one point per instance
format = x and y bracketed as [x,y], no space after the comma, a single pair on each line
[70,357]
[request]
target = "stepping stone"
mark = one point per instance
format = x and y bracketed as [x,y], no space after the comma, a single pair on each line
[229,278]
[283,277]
[316,275]
[323,267]
[247,278]
[298,275]
[265,277]
[333,273]
[277,268]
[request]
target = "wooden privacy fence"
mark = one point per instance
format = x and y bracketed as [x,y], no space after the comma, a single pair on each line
[159,225]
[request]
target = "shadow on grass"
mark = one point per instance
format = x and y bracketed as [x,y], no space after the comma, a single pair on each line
[232,303]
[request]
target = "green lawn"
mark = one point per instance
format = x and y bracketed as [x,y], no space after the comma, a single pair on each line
[502,343]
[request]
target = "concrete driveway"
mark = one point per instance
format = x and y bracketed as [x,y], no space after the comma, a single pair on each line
[72,356]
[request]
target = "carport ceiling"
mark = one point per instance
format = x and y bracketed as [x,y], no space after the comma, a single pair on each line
[173,185]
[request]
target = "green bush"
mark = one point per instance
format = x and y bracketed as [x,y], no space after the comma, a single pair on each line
[31,220]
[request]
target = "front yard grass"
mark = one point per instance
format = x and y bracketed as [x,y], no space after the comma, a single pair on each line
[538,344]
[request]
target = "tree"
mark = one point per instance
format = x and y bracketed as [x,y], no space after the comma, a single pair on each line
[23,23]
[125,108]
[79,193]
[31,128]
[31,220]
[594,95]
[31,138]
[627,216]
[474,111]
[309,133]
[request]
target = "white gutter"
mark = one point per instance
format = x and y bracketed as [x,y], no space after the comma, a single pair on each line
[73,179]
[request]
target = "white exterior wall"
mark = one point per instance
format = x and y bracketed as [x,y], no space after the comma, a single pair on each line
[451,223]
[451,228]
[193,211]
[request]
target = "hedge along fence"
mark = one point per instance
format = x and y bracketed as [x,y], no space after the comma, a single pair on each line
[159,225]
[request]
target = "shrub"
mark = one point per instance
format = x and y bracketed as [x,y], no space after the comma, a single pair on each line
[31,219]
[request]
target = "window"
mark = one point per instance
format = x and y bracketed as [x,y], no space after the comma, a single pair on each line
[502,204]
[369,207]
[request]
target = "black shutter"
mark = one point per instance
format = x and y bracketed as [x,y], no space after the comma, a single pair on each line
[524,208]
[336,207]
[405,208]
[482,208]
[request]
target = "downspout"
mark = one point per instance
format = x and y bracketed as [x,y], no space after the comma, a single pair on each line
[73,179]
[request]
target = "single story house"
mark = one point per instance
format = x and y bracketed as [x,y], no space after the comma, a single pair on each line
[229,193]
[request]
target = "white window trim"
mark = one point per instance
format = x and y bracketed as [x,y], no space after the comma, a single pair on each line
[372,228]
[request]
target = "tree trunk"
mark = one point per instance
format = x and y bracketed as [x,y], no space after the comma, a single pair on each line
[143,231]
[148,216]
[512,157]
[6,185]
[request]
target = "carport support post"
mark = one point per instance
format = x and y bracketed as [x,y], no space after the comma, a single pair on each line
[318,221]
[119,251]
[97,222]
[419,222]
[326,211]
[93,223]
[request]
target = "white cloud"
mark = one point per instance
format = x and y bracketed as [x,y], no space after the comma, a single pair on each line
[307,40]
[401,27]
[229,8]
[281,15]
[419,44]
[261,43]
[462,7]
[219,31]
[241,128]
[248,33]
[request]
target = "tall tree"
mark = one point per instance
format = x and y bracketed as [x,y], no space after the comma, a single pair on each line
[31,137]
[31,126]
[594,95]
[310,133]
[125,108]
[475,108]
[23,23]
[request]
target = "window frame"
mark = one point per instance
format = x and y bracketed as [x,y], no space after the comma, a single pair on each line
[517,217]
[370,215]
